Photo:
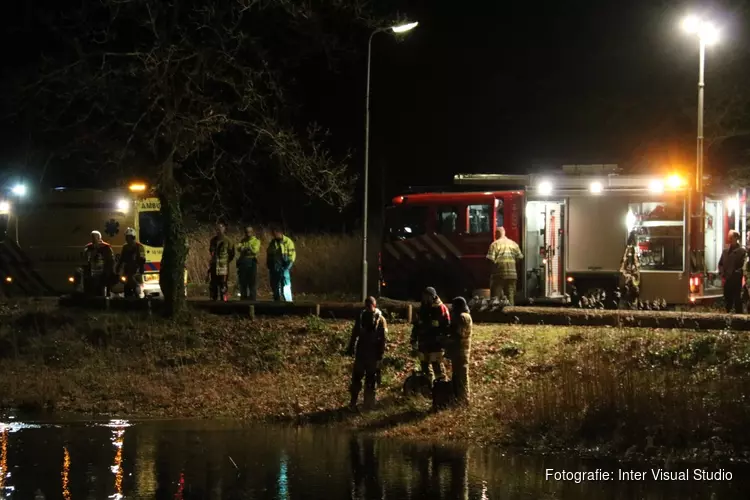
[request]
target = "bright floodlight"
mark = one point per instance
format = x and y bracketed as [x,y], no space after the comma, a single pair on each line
[403,28]
[545,188]
[709,33]
[596,187]
[656,186]
[691,24]
[19,190]
[705,30]
[122,205]
[4,207]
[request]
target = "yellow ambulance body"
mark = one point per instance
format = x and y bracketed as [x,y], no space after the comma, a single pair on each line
[50,229]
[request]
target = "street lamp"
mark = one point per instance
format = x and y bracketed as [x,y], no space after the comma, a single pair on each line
[401,28]
[707,34]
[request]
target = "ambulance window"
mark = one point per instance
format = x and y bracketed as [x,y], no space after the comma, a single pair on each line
[479,219]
[658,230]
[407,222]
[500,213]
[151,229]
[447,220]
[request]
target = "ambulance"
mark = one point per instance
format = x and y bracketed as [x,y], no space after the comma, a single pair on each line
[45,232]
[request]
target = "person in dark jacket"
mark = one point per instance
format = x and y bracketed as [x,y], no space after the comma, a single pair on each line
[430,328]
[731,266]
[367,345]
[459,349]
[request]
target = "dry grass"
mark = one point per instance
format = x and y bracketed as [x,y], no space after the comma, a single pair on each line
[607,389]
[326,263]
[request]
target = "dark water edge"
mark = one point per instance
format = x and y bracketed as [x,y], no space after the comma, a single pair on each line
[215,459]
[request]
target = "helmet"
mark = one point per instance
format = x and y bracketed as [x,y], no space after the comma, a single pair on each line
[130,232]
[96,233]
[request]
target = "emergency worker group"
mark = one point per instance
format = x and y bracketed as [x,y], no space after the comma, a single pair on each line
[101,270]
[437,333]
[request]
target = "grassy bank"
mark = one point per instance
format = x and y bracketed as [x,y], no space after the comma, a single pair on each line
[616,391]
[325,262]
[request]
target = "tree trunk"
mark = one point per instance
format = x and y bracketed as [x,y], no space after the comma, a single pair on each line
[171,276]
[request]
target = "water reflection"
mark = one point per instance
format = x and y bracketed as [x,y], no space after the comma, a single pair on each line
[215,460]
[65,473]
[4,471]
[118,439]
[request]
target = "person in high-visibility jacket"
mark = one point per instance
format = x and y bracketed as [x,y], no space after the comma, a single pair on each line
[503,254]
[99,266]
[222,254]
[132,264]
[247,264]
[280,258]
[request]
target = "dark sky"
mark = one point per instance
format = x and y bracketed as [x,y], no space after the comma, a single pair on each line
[492,86]
[489,86]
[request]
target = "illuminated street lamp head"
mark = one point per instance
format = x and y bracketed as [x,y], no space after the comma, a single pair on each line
[705,30]
[19,190]
[403,28]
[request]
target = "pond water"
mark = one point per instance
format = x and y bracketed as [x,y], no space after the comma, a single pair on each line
[228,460]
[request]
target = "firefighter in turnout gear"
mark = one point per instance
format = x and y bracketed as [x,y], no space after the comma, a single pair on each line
[247,265]
[503,254]
[280,258]
[222,254]
[132,264]
[630,270]
[367,345]
[731,266]
[430,328]
[99,266]
[459,349]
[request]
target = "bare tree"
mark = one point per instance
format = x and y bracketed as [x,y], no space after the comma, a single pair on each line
[187,91]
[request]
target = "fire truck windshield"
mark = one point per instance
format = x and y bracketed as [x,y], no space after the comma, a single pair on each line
[405,222]
[151,229]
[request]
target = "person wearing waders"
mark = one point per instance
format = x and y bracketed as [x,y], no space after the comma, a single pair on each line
[280,258]
[731,267]
[430,326]
[247,265]
[459,349]
[367,345]
[222,254]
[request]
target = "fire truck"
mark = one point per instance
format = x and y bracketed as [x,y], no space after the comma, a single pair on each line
[45,233]
[572,226]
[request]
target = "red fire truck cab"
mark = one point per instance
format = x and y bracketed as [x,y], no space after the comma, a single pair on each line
[572,227]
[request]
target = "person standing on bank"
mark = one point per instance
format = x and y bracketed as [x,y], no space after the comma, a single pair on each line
[247,265]
[369,337]
[503,254]
[222,254]
[280,258]
[430,328]
[459,349]
[731,266]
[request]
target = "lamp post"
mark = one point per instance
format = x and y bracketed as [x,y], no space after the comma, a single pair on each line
[707,35]
[402,28]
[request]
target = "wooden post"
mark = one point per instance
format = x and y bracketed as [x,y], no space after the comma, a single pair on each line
[408,313]
[252,312]
[317,310]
